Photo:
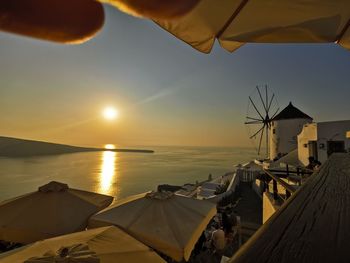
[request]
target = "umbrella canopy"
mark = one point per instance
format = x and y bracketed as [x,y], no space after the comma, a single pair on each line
[55,209]
[235,22]
[100,245]
[169,223]
[198,23]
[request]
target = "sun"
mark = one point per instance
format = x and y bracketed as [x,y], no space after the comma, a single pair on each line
[109,146]
[110,113]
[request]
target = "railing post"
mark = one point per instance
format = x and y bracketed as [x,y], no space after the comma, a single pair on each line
[287,194]
[302,176]
[266,186]
[275,191]
[287,170]
[299,175]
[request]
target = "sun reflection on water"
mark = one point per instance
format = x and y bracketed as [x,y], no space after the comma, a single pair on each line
[108,172]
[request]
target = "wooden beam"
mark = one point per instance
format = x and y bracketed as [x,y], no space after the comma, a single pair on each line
[231,18]
[312,225]
[304,171]
[285,185]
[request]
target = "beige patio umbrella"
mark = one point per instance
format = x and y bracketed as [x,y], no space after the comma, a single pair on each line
[169,223]
[55,209]
[100,245]
[236,22]
[197,22]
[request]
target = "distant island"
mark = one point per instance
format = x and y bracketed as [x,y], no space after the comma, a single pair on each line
[14,147]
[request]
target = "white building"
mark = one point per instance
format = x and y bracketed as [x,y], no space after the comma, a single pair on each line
[321,139]
[285,127]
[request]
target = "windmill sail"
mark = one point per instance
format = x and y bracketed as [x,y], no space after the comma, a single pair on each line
[262,108]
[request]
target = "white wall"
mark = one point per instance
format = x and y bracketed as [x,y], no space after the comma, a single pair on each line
[283,135]
[269,208]
[309,133]
[322,132]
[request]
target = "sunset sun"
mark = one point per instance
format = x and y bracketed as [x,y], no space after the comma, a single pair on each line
[110,113]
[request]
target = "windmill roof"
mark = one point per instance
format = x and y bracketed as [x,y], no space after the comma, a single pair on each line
[291,112]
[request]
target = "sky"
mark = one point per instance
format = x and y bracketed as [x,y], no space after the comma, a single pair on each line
[167,93]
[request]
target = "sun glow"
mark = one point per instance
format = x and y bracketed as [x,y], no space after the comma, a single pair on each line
[109,146]
[110,113]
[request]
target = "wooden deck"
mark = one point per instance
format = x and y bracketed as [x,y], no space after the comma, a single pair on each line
[313,225]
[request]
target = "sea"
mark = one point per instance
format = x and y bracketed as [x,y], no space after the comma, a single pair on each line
[119,174]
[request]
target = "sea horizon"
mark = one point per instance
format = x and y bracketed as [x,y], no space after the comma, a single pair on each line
[120,174]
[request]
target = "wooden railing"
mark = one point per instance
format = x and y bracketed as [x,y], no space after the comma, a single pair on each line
[276,176]
[299,172]
[312,226]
